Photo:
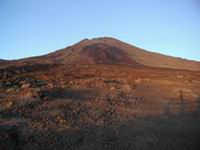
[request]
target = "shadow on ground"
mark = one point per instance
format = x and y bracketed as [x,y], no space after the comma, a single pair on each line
[75,94]
[179,132]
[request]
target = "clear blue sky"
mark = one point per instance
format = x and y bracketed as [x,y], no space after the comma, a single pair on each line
[35,27]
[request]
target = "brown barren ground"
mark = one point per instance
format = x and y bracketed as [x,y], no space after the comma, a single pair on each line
[106,100]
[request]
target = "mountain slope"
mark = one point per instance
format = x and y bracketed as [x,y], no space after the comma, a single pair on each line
[97,94]
[126,54]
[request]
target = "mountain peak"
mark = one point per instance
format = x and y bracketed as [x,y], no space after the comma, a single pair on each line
[108,50]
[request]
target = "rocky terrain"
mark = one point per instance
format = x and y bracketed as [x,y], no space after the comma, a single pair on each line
[100,94]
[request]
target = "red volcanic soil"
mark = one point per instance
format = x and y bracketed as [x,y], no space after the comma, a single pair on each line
[104,54]
[98,95]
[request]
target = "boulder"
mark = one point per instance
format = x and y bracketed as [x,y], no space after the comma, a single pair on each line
[138,81]
[10,89]
[127,87]
[25,85]
[179,76]
[112,88]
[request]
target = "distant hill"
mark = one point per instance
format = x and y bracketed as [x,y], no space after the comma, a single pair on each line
[1,60]
[110,51]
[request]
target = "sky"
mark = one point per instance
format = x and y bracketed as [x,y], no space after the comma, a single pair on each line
[37,27]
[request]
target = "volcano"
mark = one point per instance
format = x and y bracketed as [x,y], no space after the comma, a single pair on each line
[109,51]
[100,94]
